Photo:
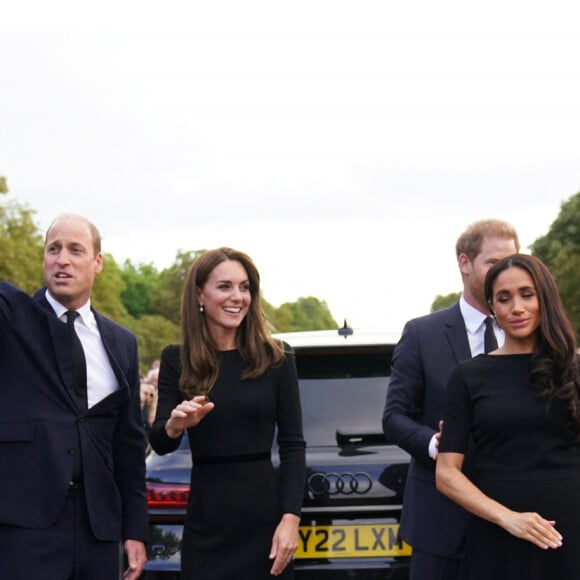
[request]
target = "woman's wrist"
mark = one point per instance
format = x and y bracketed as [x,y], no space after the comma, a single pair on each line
[172,433]
[290,517]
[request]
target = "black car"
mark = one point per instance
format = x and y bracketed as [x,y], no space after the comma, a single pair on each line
[355,479]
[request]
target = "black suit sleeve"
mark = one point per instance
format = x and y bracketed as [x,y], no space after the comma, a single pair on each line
[405,397]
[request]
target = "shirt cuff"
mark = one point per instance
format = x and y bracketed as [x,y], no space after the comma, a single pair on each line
[433,448]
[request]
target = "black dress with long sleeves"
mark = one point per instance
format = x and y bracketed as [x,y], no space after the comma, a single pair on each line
[237,497]
[527,458]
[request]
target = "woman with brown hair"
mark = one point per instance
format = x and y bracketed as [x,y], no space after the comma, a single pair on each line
[520,406]
[232,386]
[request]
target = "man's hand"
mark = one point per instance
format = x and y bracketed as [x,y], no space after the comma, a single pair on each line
[136,557]
[434,443]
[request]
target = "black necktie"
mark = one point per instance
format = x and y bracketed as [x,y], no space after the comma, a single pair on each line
[79,363]
[489,339]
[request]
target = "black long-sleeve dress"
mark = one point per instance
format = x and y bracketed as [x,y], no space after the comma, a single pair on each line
[236,498]
[527,458]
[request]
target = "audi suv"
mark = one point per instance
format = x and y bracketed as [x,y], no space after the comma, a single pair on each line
[355,479]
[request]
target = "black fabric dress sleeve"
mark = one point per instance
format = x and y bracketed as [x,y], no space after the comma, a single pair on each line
[458,414]
[290,437]
[169,396]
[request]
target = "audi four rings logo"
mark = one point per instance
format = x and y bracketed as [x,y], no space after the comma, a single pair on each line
[320,483]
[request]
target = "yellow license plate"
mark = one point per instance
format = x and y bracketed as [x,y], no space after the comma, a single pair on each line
[351,541]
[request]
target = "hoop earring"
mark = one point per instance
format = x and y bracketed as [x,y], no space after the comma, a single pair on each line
[201,308]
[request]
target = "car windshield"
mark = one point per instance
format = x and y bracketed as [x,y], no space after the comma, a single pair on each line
[343,394]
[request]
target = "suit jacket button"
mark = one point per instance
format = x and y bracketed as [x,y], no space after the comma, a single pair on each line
[71,450]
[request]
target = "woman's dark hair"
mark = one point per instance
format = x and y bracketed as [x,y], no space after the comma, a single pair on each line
[554,366]
[199,354]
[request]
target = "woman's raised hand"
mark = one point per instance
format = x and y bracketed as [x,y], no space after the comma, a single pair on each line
[188,414]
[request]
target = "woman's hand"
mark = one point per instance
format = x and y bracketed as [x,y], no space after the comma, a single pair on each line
[533,528]
[284,543]
[187,414]
[524,525]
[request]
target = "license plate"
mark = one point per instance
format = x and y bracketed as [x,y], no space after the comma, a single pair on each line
[351,541]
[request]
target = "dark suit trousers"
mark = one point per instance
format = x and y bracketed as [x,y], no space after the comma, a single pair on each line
[67,550]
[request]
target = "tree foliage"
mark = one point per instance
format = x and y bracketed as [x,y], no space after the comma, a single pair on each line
[564,233]
[139,283]
[305,314]
[444,301]
[559,249]
[153,334]
[165,298]
[21,247]
[107,290]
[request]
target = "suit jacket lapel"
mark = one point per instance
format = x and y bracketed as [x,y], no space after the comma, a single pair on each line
[111,343]
[59,342]
[457,334]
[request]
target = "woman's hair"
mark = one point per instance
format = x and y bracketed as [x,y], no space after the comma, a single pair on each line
[554,366]
[199,354]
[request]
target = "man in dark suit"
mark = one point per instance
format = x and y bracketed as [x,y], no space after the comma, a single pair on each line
[429,349]
[72,463]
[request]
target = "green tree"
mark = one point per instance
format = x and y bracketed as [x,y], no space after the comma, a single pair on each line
[277,321]
[565,267]
[444,301]
[166,297]
[3,185]
[139,280]
[107,290]
[305,314]
[559,249]
[153,334]
[21,245]
[564,233]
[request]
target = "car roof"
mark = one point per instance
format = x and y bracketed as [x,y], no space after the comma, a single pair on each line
[344,336]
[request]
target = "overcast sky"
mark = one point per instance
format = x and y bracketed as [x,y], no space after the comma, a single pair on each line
[343,145]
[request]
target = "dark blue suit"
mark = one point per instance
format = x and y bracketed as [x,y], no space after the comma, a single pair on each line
[429,349]
[41,426]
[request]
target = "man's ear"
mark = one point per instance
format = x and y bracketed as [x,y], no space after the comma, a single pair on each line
[464,263]
[99,263]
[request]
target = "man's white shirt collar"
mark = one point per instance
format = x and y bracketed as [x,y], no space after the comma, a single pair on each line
[84,311]
[475,325]
[472,317]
